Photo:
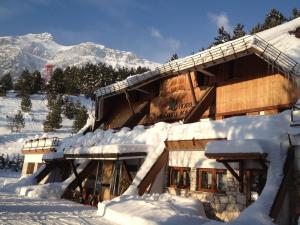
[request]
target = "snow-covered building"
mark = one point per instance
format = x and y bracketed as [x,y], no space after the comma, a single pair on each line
[213,126]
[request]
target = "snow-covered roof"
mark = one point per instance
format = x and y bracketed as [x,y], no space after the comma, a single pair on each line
[109,151]
[275,45]
[244,148]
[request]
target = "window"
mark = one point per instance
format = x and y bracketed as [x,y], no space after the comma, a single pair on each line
[179,177]
[202,79]
[212,180]
[30,168]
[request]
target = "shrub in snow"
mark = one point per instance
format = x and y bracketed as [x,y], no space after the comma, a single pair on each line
[15,123]
[19,121]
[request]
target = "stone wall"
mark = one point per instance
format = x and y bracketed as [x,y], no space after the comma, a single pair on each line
[218,206]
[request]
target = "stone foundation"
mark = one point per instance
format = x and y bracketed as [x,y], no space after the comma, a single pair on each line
[219,206]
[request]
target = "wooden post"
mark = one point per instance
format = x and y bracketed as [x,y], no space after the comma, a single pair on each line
[76,175]
[192,89]
[129,103]
[241,171]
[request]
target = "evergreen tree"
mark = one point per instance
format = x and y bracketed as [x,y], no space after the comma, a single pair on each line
[53,120]
[71,76]
[38,82]
[10,123]
[56,83]
[238,31]
[26,103]
[19,121]
[272,19]
[69,109]
[5,84]
[25,83]
[173,57]
[295,13]
[80,117]
[222,37]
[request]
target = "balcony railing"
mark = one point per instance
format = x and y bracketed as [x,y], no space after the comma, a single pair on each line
[41,144]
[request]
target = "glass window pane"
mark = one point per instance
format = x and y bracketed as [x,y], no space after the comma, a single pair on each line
[186,178]
[175,177]
[206,180]
[221,181]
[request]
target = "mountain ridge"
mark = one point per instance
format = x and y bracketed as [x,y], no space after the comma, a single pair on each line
[33,51]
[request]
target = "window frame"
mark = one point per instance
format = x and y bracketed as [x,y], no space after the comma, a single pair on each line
[214,172]
[181,172]
[30,168]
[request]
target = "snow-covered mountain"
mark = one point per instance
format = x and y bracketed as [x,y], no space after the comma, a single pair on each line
[33,51]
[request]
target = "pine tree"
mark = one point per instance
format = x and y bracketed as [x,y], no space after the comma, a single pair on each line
[5,84]
[238,31]
[295,13]
[38,82]
[10,123]
[173,57]
[56,83]
[80,117]
[19,121]
[71,76]
[272,19]
[25,83]
[53,120]
[26,103]
[69,109]
[222,37]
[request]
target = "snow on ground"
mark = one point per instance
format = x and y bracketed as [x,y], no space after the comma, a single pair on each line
[16,210]
[8,177]
[152,210]
[11,143]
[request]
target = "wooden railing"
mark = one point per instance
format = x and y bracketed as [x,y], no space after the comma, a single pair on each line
[41,143]
[206,58]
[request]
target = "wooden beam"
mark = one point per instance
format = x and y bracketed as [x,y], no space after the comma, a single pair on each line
[152,173]
[194,100]
[205,72]
[143,91]
[129,102]
[76,175]
[241,171]
[231,171]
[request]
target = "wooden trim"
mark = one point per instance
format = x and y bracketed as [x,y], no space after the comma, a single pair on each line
[181,171]
[76,176]
[194,100]
[235,156]
[129,102]
[236,176]
[194,144]
[214,180]
[115,156]
[38,151]
[284,106]
[154,170]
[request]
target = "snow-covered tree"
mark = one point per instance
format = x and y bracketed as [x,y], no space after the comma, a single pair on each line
[5,83]
[38,82]
[173,57]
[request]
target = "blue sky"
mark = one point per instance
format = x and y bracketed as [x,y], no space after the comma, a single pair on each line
[151,29]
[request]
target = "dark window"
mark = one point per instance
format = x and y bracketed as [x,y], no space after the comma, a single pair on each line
[180,177]
[202,80]
[212,180]
[30,168]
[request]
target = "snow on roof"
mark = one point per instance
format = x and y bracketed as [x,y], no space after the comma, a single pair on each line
[258,146]
[109,149]
[275,45]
